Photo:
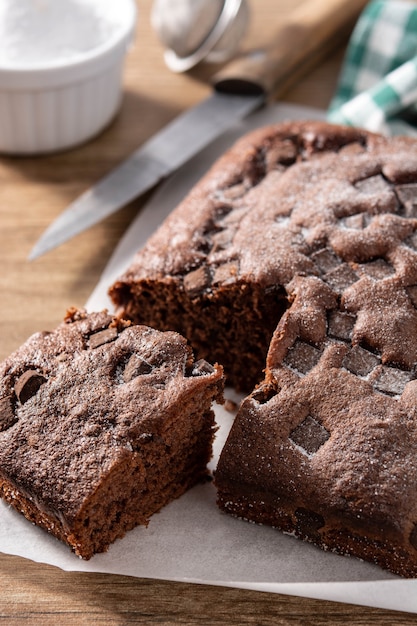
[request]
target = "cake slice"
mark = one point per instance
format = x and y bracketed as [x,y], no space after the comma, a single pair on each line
[102,423]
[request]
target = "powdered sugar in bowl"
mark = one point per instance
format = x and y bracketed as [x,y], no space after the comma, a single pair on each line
[61,65]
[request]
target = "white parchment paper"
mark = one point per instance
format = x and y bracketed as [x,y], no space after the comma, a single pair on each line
[191,539]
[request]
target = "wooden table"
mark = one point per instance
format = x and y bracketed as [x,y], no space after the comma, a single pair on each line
[35,296]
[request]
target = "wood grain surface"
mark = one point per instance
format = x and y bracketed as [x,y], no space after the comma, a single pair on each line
[35,295]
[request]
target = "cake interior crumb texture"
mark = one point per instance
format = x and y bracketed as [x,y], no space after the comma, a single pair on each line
[294,264]
[102,423]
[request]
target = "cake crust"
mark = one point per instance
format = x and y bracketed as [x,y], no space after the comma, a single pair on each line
[102,424]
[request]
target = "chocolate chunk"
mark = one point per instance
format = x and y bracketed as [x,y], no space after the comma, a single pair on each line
[226,273]
[341,325]
[391,380]
[230,405]
[7,414]
[196,281]
[373,185]
[357,221]
[310,435]
[302,357]
[407,195]
[325,259]
[136,366]
[102,337]
[378,194]
[413,537]
[264,393]
[28,384]
[201,368]
[359,361]
[340,278]
[377,269]
[308,522]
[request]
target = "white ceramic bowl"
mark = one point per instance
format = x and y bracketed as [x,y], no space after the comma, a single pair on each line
[59,104]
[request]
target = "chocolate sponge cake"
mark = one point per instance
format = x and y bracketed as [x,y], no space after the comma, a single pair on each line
[216,269]
[297,255]
[102,423]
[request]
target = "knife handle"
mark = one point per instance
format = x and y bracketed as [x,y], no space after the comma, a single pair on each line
[302,39]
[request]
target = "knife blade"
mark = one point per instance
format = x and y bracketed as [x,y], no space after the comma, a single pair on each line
[245,84]
[162,154]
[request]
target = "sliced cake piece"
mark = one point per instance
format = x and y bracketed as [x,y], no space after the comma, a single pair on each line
[102,423]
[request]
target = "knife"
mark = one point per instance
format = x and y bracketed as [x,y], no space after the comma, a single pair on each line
[304,36]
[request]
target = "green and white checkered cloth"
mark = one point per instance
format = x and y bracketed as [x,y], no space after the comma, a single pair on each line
[377,88]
